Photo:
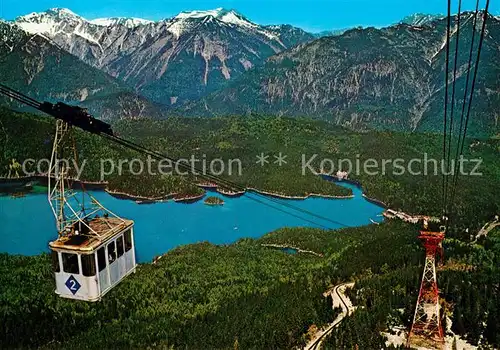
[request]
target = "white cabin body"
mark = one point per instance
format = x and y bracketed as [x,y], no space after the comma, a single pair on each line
[87,266]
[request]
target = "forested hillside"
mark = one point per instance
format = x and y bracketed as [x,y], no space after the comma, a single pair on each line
[202,295]
[244,138]
[249,296]
[41,69]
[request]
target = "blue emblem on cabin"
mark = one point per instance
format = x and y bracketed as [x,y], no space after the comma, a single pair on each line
[73,285]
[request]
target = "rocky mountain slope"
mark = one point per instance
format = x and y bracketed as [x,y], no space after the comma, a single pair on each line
[36,66]
[217,62]
[169,61]
[420,19]
[384,78]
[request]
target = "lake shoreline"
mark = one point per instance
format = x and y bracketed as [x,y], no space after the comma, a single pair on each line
[226,227]
[193,199]
[190,199]
[128,196]
[359,186]
[282,196]
[103,185]
[285,246]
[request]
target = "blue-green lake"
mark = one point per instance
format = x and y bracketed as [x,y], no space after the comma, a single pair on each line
[27,224]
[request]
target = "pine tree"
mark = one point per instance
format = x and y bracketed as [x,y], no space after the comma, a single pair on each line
[492,327]
[458,322]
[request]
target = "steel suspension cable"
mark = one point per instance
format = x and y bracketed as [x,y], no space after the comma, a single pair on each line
[465,98]
[474,79]
[445,130]
[138,148]
[450,133]
[227,183]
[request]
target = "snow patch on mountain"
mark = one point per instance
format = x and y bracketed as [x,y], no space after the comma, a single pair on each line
[55,20]
[236,19]
[35,28]
[200,14]
[186,20]
[420,19]
[129,22]
[47,22]
[230,17]
[51,20]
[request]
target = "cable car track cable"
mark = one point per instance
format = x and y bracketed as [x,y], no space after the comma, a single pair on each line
[226,183]
[461,145]
[452,112]
[445,117]
[141,149]
[464,102]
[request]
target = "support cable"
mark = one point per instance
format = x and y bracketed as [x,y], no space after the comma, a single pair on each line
[474,79]
[450,133]
[138,148]
[226,183]
[445,130]
[465,98]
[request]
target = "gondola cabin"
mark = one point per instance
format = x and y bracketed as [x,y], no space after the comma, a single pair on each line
[94,258]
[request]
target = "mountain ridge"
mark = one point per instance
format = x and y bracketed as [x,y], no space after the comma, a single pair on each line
[37,67]
[218,62]
[172,60]
[129,22]
[366,78]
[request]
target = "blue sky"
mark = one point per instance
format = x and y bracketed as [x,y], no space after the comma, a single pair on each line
[312,15]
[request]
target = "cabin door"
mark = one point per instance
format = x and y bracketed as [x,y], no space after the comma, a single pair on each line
[114,265]
[102,259]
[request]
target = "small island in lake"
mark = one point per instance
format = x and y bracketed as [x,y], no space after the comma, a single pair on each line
[214,201]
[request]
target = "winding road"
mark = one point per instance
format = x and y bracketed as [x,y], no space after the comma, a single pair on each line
[489,226]
[339,299]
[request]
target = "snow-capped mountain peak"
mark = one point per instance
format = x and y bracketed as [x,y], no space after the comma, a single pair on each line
[129,22]
[50,21]
[47,22]
[199,14]
[53,13]
[163,53]
[232,17]
[221,14]
[187,20]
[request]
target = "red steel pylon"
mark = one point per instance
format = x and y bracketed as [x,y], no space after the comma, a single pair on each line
[427,325]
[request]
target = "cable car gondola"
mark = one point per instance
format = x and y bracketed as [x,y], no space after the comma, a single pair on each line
[95,248]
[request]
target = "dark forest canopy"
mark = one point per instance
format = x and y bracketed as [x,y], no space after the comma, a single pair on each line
[303,141]
[207,296]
